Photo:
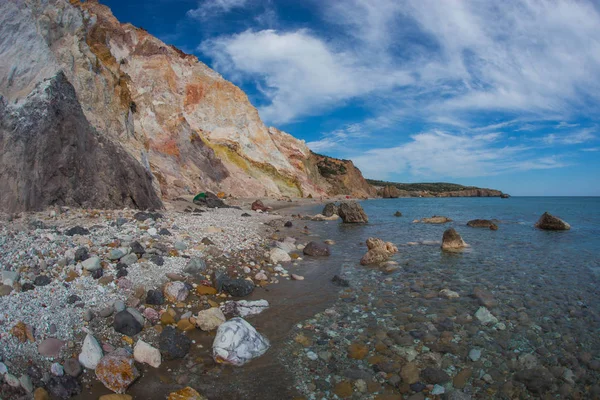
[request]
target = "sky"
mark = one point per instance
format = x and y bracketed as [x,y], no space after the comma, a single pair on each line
[504,95]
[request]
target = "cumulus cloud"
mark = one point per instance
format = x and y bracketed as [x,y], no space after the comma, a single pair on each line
[300,73]
[441,154]
[210,8]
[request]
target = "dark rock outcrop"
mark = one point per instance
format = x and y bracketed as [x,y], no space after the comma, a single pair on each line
[452,240]
[330,209]
[482,223]
[351,212]
[51,155]
[551,223]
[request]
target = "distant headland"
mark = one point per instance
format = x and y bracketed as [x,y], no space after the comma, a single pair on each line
[431,189]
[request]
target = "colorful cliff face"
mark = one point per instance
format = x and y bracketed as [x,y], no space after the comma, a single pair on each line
[178,124]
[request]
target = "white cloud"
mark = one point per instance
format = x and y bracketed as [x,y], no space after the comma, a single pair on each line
[434,58]
[300,73]
[210,8]
[440,154]
[578,137]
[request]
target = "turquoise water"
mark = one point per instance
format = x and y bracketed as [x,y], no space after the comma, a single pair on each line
[545,286]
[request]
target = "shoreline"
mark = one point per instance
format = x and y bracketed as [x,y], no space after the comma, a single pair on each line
[105,237]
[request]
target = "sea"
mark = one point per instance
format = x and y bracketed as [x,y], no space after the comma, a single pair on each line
[544,335]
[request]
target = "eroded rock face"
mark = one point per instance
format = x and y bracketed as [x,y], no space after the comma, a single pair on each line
[551,223]
[452,240]
[51,155]
[130,120]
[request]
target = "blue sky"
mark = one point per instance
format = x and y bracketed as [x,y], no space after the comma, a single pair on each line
[495,94]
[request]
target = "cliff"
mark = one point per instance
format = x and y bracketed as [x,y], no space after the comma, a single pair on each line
[151,121]
[440,189]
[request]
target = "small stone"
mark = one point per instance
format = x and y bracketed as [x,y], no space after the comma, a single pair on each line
[261,276]
[410,373]
[173,344]
[57,369]
[205,290]
[449,294]
[210,319]
[126,324]
[129,259]
[485,316]
[119,305]
[297,277]
[91,264]
[3,369]
[185,325]
[238,287]
[195,265]
[167,319]
[117,371]
[461,379]
[475,354]
[339,281]
[343,389]
[88,315]
[41,394]
[144,353]
[155,297]
[157,259]
[115,254]
[26,383]
[106,312]
[152,231]
[50,347]
[437,390]
[312,356]
[91,352]
[176,292]
[63,387]
[179,245]
[115,396]
[277,255]
[72,367]
[434,375]
[42,280]
[12,380]
[357,351]
[77,230]
[5,290]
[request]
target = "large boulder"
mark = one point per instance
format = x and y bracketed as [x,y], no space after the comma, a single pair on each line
[551,223]
[375,256]
[482,223]
[351,213]
[209,200]
[330,209]
[259,206]
[117,370]
[317,249]
[237,342]
[452,240]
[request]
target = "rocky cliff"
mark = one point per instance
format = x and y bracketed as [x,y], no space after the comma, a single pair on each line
[389,190]
[151,121]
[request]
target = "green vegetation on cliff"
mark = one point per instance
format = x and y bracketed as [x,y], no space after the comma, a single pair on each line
[432,187]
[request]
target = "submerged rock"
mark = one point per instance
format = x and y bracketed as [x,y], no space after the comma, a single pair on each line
[375,256]
[317,249]
[339,281]
[452,240]
[485,316]
[482,223]
[63,387]
[238,287]
[187,393]
[436,219]
[237,342]
[551,223]
[352,212]
[537,380]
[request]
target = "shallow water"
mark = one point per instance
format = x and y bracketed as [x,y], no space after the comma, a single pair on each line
[545,285]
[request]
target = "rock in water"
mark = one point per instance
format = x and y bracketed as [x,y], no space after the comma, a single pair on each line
[63,387]
[238,287]
[243,308]
[537,380]
[259,206]
[330,209]
[173,344]
[397,214]
[210,319]
[187,393]
[237,342]
[452,240]
[351,213]
[117,370]
[317,249]
[277,255]
[436,219]
[549,222]
[91,352]
[144,353]
[482,223]
[375,256]
[485,316]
